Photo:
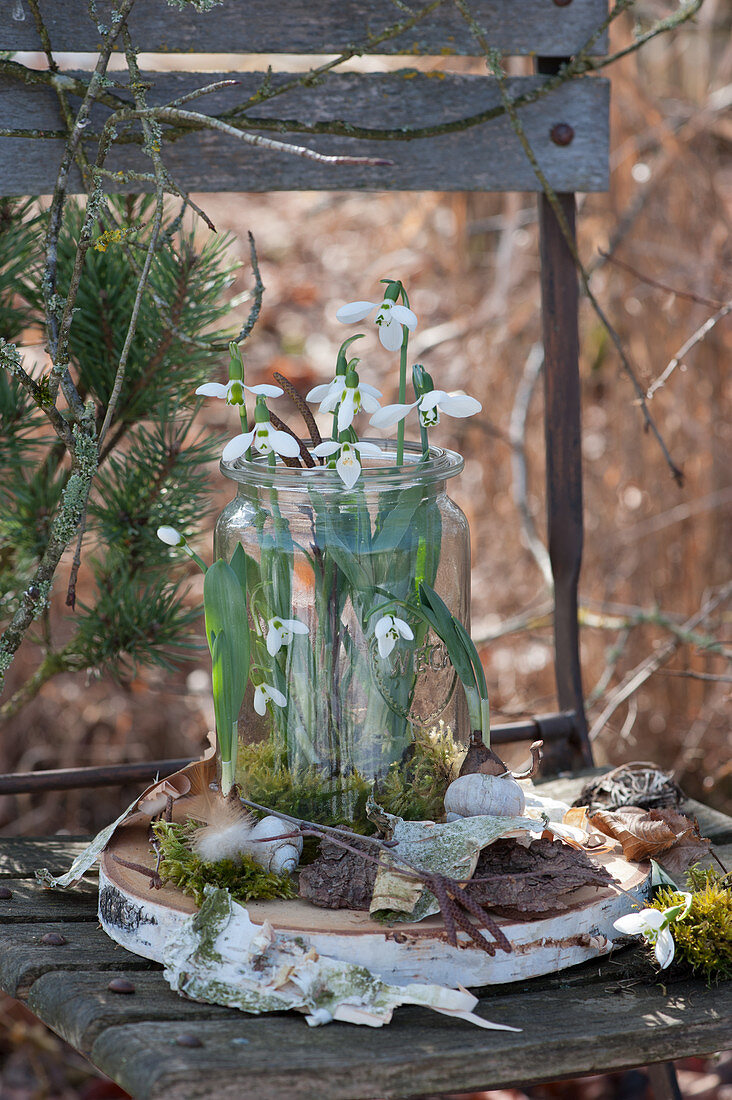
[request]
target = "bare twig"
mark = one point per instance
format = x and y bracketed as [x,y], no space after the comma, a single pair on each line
[642,672]
[686,347]
[517,435]
[687,294]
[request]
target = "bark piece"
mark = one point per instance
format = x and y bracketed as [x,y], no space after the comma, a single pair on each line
[538,881]
[338,879]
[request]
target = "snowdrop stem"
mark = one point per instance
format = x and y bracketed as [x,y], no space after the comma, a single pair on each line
[196,558]
[228,775]
[402,380]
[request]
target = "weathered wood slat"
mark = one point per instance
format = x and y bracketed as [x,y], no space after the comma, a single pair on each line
[32,903]
[484,158]
[24,957]
[278,1058]
[21,856]
[234,27]
[79,1007]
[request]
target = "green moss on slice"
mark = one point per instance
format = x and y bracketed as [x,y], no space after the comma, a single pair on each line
[245,879]
[703,938]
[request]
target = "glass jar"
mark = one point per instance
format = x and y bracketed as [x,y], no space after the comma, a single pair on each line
[338,561]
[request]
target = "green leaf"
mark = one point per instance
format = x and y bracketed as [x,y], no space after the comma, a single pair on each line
[226,614]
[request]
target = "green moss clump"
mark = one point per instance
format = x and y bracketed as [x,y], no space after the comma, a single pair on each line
[245,879]
[703,938]
[414,787]
[263,776]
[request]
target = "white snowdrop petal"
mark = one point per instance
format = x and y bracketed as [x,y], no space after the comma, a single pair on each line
[331,399]
[664,948]
[237,446]
[459,404]
[386,644]
[277,696]
[354,311]
[266,390]
[404,629]
[369,403]
[170,536]
[390,335]
[366,387]
[212,389]
[633,924]
[389,415]
[323,450]
[297,627]
[404,316]
[430,399]
[317,393]
[349,470]
[383,626]
[274,640]
[284,444]
[260,700]
[367,448]
[346,410]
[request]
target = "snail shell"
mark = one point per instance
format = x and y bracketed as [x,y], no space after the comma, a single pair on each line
[280,856]
[479,795]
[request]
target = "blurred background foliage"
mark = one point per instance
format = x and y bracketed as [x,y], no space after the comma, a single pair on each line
[653,551]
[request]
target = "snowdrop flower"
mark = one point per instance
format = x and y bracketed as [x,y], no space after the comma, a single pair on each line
[653,924]
[349,395]
[430,405]
[389,319]
[280,633]
[263,437]
[388,631]
[347,464]
[233,392]
[265,692]
[170,536]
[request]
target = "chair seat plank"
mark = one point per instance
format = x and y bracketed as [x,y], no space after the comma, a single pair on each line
[24,957]
[572,1033]
[487,157]
[21,856]
[234,27]
[32,903]
[80,1006]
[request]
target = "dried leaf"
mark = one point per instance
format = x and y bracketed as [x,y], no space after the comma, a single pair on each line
[645,833]
[524,883]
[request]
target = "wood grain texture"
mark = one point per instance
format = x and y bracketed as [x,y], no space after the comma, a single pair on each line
[487,157]
[24,957]
[274,1057]
[32,903]
[79,1007]
[236,27]
[21,856]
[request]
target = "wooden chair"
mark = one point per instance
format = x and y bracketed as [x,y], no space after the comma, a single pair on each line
[52,955]
[568,130]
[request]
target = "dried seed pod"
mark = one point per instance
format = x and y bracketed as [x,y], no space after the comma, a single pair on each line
[479,795]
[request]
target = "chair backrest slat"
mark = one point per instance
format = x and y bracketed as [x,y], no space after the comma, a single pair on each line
[488,157]
[299,26]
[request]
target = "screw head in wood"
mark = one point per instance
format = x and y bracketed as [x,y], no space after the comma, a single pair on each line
[188,1040]
[562,3]
[5,894]
[120,985]
[562,133]
[53,939]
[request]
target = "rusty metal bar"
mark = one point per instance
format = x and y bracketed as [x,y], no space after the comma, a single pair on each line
[69,779]
[551,728]
[560,301]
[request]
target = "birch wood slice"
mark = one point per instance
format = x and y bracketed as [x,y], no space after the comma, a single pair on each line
[142,919]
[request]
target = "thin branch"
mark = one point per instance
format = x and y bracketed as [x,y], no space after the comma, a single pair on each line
[694,339]
[495,64]
[687,294]
[517,435]
[642,672]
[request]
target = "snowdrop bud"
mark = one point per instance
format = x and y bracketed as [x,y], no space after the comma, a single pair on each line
[261,412]
[170,536]
[236,366]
